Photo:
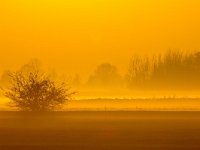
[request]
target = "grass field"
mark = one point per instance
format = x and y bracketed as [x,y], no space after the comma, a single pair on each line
[139,104]
[93,130]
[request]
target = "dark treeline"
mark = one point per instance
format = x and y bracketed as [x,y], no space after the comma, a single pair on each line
[105,76]
[173,70]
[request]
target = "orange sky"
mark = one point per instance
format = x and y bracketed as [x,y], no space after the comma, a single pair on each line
[74,36]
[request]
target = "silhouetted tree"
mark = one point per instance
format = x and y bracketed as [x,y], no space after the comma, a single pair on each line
[106,75]
[174,69]
[4,80]
[33,90]
[76,81]
[140,69]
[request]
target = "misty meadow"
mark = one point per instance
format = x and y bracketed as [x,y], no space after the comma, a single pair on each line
[40,110]
[99,75]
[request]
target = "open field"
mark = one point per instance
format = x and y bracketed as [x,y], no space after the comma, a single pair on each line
[140,104]
[117,130]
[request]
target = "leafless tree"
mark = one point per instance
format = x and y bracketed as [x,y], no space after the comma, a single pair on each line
[33,90]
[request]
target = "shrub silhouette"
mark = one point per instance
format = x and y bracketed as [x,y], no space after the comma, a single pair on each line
[35,91]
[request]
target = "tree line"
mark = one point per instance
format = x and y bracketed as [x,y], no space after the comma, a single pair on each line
[173,70]
[32,89]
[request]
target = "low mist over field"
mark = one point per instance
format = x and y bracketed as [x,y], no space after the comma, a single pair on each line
[100,75]
[172,75]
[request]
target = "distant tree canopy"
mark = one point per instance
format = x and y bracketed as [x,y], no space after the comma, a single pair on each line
[174,70]
[32,90]
[4,79]
[105,75]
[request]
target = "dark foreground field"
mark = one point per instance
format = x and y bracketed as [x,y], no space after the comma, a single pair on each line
[100,131]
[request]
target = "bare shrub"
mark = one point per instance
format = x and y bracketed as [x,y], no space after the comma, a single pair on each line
[33,90]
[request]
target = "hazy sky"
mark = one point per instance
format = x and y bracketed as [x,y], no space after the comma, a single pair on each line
[76,35]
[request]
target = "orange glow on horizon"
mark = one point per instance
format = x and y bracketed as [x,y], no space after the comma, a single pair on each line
[74,36]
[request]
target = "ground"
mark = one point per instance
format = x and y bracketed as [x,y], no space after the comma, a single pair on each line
[90,130]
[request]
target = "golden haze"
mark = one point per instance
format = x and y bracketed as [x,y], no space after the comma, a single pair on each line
[74,36]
